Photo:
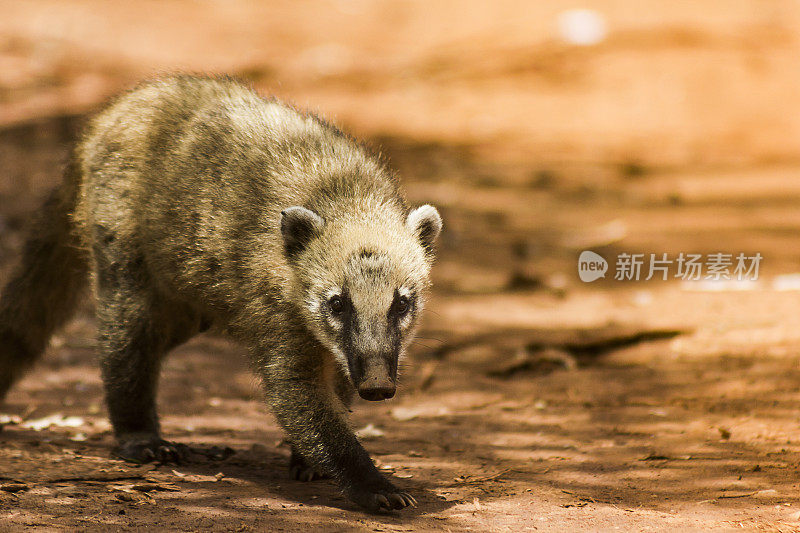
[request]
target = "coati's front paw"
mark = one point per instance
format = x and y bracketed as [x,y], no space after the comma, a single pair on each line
[149,449]
[300,470]
[379,496]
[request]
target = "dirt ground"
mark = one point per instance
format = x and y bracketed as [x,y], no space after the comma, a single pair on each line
[531,401]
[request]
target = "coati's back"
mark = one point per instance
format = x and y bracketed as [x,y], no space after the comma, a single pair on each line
[196,171]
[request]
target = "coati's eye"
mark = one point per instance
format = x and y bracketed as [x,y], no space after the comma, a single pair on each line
[401,306]
[336,304]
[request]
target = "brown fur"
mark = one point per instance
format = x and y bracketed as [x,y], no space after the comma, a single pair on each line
[195,203]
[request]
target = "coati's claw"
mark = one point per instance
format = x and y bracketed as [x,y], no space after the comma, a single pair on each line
[402,499]
[383,502]
[152,450]
[305,474]
[394,500]
[387,499]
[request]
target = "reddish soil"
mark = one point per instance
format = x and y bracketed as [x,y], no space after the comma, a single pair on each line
[531,401]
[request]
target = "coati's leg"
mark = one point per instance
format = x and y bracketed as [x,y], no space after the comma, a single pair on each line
[318,430]
[299,468]
[45,286]
[136,329]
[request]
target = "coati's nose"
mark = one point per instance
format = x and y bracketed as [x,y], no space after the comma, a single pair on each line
[376,383]
[376,394]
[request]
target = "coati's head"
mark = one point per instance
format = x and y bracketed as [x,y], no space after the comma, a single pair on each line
[362,281]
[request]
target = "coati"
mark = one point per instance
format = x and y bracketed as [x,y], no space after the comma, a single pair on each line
[193,203]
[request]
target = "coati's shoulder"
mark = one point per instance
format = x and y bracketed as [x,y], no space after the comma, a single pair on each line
[222,99]
[231,114]
[171,101]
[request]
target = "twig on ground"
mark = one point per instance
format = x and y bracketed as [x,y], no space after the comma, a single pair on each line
[484,479]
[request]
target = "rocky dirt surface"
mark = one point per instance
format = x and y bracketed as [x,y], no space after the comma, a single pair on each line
[531,401]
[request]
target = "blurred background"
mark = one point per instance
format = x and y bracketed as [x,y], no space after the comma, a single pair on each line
[539,129]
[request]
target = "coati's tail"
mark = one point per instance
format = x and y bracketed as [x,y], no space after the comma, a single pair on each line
[43,289]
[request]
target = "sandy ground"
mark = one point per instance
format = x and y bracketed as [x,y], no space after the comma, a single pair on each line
[531,401]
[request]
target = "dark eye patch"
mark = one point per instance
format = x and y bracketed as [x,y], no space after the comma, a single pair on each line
[401,305]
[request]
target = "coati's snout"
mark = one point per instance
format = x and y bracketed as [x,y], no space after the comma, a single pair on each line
[374,376]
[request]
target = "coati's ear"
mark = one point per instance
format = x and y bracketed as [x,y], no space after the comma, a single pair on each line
[426,224]
[298,226]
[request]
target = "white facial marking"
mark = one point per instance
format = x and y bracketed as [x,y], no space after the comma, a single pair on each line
[406,319]
[341,359]
[330,293]
[333,321]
